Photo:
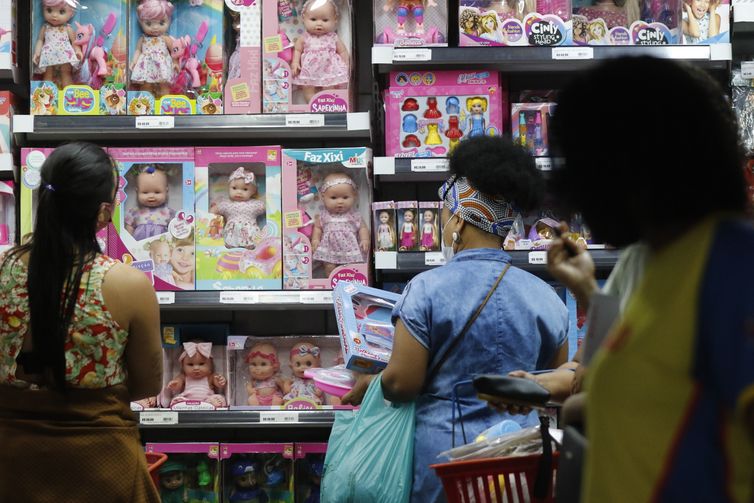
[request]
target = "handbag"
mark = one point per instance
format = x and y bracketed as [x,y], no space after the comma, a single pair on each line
[370,454]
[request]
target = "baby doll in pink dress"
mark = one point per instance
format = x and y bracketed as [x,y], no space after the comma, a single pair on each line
[152,67]
[304,356]
[152,214]
[264,387]
[320,59]
[240,210]
[54,52]
[340,235]
[197,380]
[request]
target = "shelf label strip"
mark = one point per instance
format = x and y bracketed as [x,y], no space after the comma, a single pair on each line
[278,417]
[166,297]
[158,417]
[305,120]
[425,165]
[572,53]
[155,122]
[538,257]
[402,55]
[239,297]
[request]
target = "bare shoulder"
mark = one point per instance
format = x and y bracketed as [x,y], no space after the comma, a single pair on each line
[127,278]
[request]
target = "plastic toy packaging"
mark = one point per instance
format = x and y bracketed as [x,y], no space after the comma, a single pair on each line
[308,56]
[238,218]
[541,231]
[384,226]
[309,467]
[7,215]
[626,22]
[271,371]
[705,21]
[326,205]
[335,381]
[579,232]
[194,359]
[530,123]
[154,214]
[514,22]
[430,113]
[176,64]
[191,472]
[429,226]
[260,473]
[244,45]
[409,226]
[364,318]
[7,102]
[8,35]
[743,104]
[411,23]
[79,56]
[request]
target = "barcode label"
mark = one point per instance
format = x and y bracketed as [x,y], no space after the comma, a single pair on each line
[239,298]
[316,297]
[419,165]
[158,417]
[166,297]
[572,53]
[156,122]
[412,55]
[278,417]
[305,120]
[538,257]
[434,258]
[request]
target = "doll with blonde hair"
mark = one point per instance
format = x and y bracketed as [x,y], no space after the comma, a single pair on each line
[55,53]
[488,28]
[430,233]
[385,232]
[476,106]
[596,32]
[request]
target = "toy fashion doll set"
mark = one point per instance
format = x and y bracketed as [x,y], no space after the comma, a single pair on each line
[627,22]
[411,23]
[530,126]
[384,225]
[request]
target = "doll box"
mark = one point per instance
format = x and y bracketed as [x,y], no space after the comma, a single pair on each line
[384,226]
[364,318]
[274,358]
[429,226]
[639,22]
[7,215]
[243,84]
[530,123]
[241,254]
[191,472]
[309,467]
[7,108]
[97,80]
[429,112]
[706,34]
[8,37]
[407,229]
[258,472]
[304,173]
[329,81]
[405,23]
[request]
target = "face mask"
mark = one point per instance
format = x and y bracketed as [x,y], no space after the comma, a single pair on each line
[447,251]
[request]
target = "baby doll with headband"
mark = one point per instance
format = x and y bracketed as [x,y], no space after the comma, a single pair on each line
[152,214]
[54,52]
[340,235]
[304,356]
[320,59]
[152,67]
[197,380]
[264,387]
[240,210]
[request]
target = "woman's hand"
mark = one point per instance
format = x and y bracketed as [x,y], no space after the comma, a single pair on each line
[573,267]
[356,395]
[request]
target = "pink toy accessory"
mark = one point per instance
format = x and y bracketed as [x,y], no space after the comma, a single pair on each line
[241,174]
[337,181]
[303,350]
[192,348]
[336,381]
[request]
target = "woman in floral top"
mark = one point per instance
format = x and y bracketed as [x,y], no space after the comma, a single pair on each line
[79,339]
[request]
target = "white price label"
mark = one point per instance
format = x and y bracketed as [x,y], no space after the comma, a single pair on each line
[239,297]
[420,165]
[572,53]
[747,69]
[434,258]
[155,122]
[278,417]
[316,297]
[400,55]
[305,120]
[158,417]
[543,163]
[538,257]
[524,244]
[166,297]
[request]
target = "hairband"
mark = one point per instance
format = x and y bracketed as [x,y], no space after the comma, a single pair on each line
[304,350]
[267,356]
[190,349]
[242,174]
[491,214]
[337,181]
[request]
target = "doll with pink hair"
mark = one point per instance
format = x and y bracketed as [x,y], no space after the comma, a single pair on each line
[304,356]
[320,58]
[197,380]
[264,386]
[55,53]
[240,209]
[152,68]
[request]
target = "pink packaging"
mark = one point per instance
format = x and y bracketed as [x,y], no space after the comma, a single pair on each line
[409,23]
[243,85]
[429,113]
[530,124]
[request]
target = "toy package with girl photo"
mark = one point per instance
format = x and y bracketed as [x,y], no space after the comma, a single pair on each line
[411,23]
[78,58]
[7,109]
[154,214]
[408,226]
[706,21]
[308,56]
[326,210]
[258,473]
[630,22]
[191,472]
[429,113]
[514,22]
[269,372]
[239,226]
[7,215]
[176,61]
[195,376]
[384,226]
[309,467]
[244,45]
[429,226]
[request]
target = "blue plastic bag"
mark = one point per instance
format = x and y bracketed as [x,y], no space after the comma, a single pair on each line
[370,454]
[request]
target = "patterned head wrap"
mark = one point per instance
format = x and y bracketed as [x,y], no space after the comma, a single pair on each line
[242,174]
[493,215]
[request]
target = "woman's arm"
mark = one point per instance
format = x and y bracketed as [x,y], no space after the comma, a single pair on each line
[403,379]
[714,20]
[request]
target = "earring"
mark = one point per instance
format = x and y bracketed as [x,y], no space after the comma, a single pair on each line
[456,238]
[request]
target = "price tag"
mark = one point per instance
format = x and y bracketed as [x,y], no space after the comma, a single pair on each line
[305,120]
[524,244]
[316,297]
[166,297]
[747,69]
[572,53]
[278,417]
[424,165]
[239,297]
[155,122]
[434,258]
[158,417]
[401,55]
[538,257]
[543,163]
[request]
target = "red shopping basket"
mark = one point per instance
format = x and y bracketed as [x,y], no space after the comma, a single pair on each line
[495,480]
[154,461]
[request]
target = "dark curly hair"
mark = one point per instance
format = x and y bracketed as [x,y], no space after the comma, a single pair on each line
[498,167]
[647,144]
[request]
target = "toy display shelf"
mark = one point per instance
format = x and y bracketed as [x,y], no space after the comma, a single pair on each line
[542,59]
[424,169]
[259,300]
[271,127]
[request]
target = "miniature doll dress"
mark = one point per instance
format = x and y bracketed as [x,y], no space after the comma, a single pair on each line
[477,125]
[303,388]
[240,221]
[197,389]
[428,236]
[148,222]
[384,238]
[339,243]
[407,236]
[321,66]
[57,48]
[270,383]
[154,64]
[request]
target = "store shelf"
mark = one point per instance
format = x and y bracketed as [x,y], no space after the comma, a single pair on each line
[192,127]
[246,300]
[542,59]
[424,169]
[159,419]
